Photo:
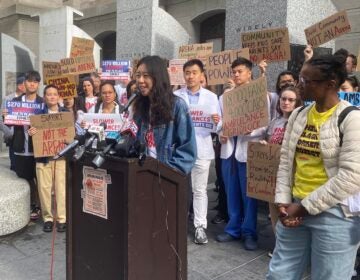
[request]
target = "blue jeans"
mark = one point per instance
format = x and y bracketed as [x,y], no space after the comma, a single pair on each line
[242,209]
[327,242]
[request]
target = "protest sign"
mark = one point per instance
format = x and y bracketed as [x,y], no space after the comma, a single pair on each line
[77,65]
[66,85]
[94,192]
[218,65]
[358,63]
[246,108]
[81,47]
[18,113]
[113,121]
[50,69]
[269,44]
[115,70]
[53,132]
[262,165]
[328,29]
[201,118]
[199,51]
[351,97]
[176,72]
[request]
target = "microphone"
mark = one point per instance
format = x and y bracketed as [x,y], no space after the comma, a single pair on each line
[68,148]
[112,138]
[96,132]
[130,128]
[132,98]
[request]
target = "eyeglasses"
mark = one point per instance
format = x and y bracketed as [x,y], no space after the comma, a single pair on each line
[284,99]
[305,82]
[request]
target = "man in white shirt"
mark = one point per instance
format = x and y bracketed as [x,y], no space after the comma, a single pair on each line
[200,99]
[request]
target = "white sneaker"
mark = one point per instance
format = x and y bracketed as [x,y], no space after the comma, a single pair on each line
[200,236]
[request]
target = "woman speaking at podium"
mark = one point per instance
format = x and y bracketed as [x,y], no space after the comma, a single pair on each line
[163,119]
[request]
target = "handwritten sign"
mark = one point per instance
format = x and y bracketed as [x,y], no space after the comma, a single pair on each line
[53,132]
[50,69]
[19,112]
[246,108]
[328,29]
[201,118]
[269,44]
[77,65]
[66,85]
[351,97]
[95,192]
[176,72]
[81,47]
[218,65]
[199,51]
[113,121]
[358,63]
[115,70]
[262,165]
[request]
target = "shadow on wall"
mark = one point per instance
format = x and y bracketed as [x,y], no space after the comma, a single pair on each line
[164,47]
[23,60]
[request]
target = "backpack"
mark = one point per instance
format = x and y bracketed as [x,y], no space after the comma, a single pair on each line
[341,118]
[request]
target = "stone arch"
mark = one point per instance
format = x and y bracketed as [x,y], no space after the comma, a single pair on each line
[107,42]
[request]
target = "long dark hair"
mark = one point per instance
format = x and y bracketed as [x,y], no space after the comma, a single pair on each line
[156,108]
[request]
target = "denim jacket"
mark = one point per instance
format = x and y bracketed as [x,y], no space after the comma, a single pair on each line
[175,141]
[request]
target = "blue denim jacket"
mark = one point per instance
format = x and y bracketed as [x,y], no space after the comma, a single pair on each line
[175,141]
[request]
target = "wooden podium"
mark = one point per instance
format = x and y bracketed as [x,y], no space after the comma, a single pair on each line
[145,225]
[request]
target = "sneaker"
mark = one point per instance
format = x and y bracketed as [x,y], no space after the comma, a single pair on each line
[48,226]
[250,243]
[61,227]
[200,236]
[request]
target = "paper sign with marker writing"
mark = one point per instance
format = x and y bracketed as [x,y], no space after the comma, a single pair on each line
[269,44]
[50,69]
[53,132]
[81,47]
[77,65]
[328,29]
[246,108]
[195,50]
[66,85]
[218,65]
[262,165]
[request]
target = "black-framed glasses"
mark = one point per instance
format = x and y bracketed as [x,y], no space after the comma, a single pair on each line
[305,82]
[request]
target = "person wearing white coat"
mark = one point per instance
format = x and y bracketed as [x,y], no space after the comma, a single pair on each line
[195,95]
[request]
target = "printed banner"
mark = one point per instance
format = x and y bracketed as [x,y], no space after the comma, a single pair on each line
[201,118]
[50,69]
[19,112]
[81,47]
[246,108]
[328,29]
[176,72]
[77,65]
[113,121]
[53,132]
[218,65]
[351,97]
[94,192]
[262,165]
[66,85]
[115,70]
[269,44]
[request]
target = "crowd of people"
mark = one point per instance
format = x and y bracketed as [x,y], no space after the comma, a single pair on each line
[315,214]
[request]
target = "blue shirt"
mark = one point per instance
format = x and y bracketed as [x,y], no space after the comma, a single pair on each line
[193,98]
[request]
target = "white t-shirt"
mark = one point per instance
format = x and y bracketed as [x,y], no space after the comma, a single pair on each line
[90,104]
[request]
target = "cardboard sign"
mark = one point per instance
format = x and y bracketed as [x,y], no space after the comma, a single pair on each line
[246,108]
[66,85]
[19,112]
[269,44]
[81,47]
[218,65]
[114,122]
[262,165]
[358,63]
[328,29]
[50,69]
[351,97]
[94,191]
[199,51]
[115,70]
[53,132]
[176,73]
[201,118]
[77,65]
